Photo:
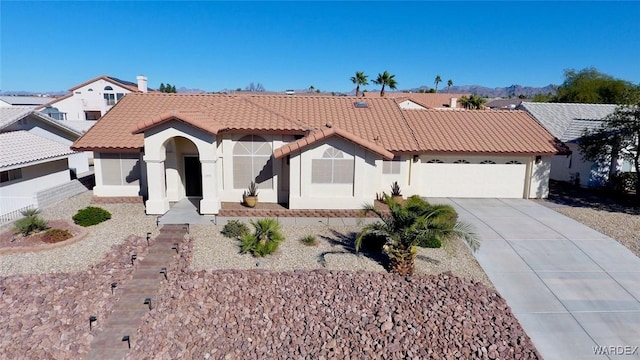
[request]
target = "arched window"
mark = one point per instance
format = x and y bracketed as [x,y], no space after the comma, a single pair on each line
[512,162]
[108,88]
[435,161]
[251,155]
[333,168]
[487,162]
[462,161]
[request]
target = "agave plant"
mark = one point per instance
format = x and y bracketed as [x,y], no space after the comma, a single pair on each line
[416,222]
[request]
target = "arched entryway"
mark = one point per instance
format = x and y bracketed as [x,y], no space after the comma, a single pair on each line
[183,170]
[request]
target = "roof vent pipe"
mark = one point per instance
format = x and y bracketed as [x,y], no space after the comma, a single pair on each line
[142,83]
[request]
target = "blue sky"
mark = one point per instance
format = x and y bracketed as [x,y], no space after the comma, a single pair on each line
[49,46]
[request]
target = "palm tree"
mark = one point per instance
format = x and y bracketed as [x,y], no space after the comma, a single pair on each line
[359,79]
[385,79]
[472,102]
[449,85]
[437,81]
[414,223]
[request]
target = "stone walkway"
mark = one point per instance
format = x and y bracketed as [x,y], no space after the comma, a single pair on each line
[137,296]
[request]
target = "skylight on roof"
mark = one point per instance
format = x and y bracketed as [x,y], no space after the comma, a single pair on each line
[361,104]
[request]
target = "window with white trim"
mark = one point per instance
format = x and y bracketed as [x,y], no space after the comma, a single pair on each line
[391,166]
[435,161]
[513,162]
[487,162]
[251,155]
[333,168]
[461,161]
[10,175]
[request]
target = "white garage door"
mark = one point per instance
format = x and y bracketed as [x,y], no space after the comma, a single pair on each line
[473,180]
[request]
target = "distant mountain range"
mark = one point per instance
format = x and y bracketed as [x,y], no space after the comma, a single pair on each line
[483,91]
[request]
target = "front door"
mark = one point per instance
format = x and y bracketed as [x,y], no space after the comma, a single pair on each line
[192,176]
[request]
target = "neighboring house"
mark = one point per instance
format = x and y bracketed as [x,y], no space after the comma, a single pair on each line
[310,152]
[421,101]
[88,101]
[567,122]
[33,101]
[25,118]
[29,166]
[503,104]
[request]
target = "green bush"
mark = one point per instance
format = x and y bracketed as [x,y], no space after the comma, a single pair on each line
[623,182]
[235,229]
[56,235]
[309,240]
[91,216]
[30,223]
[265,239]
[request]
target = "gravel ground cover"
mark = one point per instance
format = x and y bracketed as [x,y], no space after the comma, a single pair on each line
[126,219]
[334,251]
[623,227]
[327,314]
[46,316]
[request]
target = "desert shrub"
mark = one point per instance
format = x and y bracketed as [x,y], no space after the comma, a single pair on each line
[623,182]
[309,240]
[265,238]
[30,223]
[91,216]
[56,235]
[235,229]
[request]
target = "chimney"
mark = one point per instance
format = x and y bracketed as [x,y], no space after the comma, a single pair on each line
[142,83]
[453,103]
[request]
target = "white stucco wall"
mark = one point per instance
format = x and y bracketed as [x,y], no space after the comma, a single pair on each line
[539,187]
[306,195]
[85,100]
[35,178]
[410,105]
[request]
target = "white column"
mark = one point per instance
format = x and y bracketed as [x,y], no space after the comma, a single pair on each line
[158,203]
[210,203]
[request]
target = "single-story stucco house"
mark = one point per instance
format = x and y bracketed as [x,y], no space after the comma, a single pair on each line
[310,152]
[567,122]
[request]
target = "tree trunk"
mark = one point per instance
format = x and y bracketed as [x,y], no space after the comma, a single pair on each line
[382,91]
[615,153]
[402,261]
[357,90]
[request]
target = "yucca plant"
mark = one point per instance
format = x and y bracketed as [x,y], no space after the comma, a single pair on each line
[410,224]
[30,223]
[265,238]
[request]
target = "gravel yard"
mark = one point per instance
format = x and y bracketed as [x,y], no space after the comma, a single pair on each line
[126,219]
[623,227]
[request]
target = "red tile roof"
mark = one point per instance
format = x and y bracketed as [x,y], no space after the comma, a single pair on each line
[323,133]
[428,100]
[490,132]
[381,127]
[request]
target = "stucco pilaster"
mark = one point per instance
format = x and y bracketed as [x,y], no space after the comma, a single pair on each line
[158,203]
[210,203]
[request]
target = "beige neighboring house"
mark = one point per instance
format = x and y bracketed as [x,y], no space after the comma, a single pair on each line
[316,152]
[421,101]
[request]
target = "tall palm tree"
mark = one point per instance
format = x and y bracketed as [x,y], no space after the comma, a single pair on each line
[359,79]
[437,81]
[416,222]
[449,85]
[385,79]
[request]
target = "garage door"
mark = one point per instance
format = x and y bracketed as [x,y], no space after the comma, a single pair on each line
[473,180]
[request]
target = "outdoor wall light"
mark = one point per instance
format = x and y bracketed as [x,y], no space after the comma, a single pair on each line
[164,272]
[538,159]
[92,319]
[126,338]
[416,158]
[147,301]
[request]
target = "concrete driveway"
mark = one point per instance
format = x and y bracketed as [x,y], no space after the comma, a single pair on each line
[572,288]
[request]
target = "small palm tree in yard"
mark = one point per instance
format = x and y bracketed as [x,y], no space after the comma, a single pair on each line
[265,238]
[414,223]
